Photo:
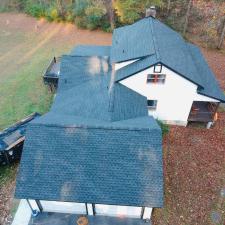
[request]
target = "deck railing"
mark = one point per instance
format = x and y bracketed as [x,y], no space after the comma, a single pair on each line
[202,116]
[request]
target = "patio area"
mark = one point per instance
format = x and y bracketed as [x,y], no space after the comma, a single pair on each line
[46,218]
[202,111]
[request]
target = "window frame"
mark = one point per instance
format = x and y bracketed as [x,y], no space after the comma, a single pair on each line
[153,78]
[157,66]
[154,106]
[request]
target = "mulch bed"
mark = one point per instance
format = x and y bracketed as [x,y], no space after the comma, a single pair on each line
[194,168]
[194,173]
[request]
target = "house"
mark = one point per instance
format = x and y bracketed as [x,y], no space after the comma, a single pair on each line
[153,60]
[96,154]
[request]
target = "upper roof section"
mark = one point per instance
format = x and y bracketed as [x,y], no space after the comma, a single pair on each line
[132,41]
[84,86]
[91,50]
[153,42]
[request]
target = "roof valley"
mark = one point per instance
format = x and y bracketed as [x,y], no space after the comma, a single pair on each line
[154,39]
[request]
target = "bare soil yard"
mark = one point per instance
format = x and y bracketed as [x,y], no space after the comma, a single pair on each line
[194,158]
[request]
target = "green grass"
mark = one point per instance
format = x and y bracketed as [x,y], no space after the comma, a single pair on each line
[24,93]
[7,173]
[23,59]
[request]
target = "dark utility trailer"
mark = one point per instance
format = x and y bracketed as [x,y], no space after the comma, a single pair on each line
[12,139]
[52,73]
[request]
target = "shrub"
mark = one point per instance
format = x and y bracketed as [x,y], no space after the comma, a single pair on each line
[81,22]
[35,10]
[80,7]
[105,26]
[164,127]
[70,17]
[95,14]
[52,14]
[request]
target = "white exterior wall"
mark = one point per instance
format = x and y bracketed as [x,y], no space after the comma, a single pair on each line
[100,209]
[118,211]
[63,207]
[175,96]
[122,64]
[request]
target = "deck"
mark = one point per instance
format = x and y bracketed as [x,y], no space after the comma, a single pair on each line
[202,112]
[70,219]
[52,73]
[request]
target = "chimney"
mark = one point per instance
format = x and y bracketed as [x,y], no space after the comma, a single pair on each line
[151,12]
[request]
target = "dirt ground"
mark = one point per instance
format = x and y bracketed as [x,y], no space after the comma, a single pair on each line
[194,158]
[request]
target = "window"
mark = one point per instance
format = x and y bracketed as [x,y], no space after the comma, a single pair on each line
[152,104]
[158,68]
[156,78]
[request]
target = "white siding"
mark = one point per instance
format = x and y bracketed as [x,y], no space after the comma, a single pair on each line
[118,211]
[63,207]
[175,96]
[122,64]
[147,213]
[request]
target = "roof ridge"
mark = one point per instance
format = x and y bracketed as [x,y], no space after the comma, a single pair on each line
[154,40]
[103,127]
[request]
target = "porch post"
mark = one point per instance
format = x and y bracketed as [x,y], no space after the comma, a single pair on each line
[142,212]
[90,209]
[39,205]
[218,104]
[33,211]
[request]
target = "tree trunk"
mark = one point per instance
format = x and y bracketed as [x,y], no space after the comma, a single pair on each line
[60,7]
[187,16]
[168,7]
[110,12]
[222,36]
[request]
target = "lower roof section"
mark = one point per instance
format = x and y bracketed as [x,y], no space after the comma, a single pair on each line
[92,164]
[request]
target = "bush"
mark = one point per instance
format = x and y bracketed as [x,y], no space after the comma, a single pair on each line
[35,10]
[105,26]
[164,127]
[94,16]
[80,6]
[81,22]
[52,14]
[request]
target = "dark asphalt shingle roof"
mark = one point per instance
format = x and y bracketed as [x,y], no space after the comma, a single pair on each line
[169,48]
[97,144]
[107,166]
[91,50]
[210,84]
[132,41]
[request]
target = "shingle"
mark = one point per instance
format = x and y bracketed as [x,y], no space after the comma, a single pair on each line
[107,166]
[211,86]
[91,50]
[132,41]
[84,86]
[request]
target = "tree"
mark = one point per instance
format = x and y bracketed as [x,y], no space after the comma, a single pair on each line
[110,12]
[190,3]
[222,36]
[129,11]
[60,7]
[168,7]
